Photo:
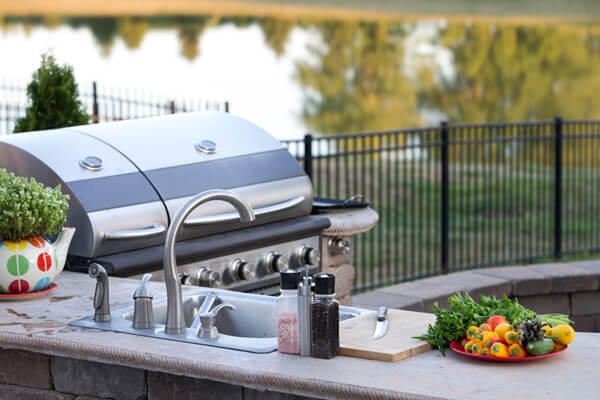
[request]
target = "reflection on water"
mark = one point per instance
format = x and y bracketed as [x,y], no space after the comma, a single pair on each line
[378,75]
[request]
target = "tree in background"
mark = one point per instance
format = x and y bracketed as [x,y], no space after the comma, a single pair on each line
[357,82]
[132,31]
[104,30]
[507,72]
[54,99]
[189,30]
[276,33]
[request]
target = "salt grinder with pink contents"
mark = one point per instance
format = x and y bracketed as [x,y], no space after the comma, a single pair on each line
[287,313]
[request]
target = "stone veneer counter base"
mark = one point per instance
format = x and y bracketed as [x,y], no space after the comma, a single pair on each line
[40,326]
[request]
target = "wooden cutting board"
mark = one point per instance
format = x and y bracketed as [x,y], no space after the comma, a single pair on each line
[397,344]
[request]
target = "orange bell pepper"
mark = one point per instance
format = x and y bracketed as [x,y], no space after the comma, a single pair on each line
[558,347]
[516,350]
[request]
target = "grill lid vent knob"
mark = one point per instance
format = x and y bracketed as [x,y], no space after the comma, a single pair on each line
[91,163]
[206,147]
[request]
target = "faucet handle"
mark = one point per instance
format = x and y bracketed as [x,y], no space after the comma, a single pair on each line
[142,290]
[143,313]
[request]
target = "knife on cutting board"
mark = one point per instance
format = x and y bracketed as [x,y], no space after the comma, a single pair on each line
[382,323]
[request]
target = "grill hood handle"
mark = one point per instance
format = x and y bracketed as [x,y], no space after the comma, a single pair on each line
[150,231]
[159,229]
[233,216]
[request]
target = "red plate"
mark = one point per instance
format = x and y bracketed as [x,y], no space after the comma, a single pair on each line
[457,348]
[27,296]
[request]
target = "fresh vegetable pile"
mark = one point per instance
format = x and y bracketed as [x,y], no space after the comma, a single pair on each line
[488,327]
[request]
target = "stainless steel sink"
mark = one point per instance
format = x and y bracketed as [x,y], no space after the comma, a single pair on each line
[251,327]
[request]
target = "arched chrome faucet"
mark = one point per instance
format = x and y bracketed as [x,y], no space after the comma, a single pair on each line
[175,319]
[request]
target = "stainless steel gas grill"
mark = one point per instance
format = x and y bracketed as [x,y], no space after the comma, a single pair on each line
[128,179]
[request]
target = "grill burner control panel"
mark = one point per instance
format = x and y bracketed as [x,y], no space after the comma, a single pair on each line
[255,270]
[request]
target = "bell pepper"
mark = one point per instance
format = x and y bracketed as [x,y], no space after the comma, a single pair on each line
[511,337]
[516,350]
[499,350]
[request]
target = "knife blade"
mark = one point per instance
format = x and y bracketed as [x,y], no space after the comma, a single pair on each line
[382,323]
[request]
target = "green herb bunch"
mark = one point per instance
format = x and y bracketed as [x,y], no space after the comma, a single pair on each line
[28,209]
[452,324]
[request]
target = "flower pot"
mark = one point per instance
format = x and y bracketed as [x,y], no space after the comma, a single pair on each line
[30,265]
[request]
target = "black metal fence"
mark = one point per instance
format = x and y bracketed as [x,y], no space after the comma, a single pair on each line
[457,197]
[105,103]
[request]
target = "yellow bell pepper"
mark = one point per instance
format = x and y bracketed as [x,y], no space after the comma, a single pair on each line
[511,337]
[472,331]
[486,338]
[499,350]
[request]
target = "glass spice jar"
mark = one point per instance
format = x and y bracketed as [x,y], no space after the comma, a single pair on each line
[325,311]
[287,313]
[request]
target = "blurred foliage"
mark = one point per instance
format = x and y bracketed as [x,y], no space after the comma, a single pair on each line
[104,29]
[357,82]
[276,33]
[518,73]
[189,30]
[52,22]
[53,97]
[132,31]
[357,76]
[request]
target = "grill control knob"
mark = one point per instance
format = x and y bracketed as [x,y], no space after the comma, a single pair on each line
[275,262]
[308,255]
[242,270]
[208,278]
[202,277]
[338,245]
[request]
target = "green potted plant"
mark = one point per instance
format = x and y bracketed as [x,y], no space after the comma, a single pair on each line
[29,214]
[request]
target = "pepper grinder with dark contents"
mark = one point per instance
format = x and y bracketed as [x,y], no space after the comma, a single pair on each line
[325,312]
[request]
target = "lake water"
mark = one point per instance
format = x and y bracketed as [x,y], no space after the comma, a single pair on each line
[292,76]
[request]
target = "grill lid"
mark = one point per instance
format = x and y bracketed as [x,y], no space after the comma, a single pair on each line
[127,178]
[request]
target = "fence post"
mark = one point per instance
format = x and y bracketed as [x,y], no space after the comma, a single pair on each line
[558,131]
[445,197]
[308,155]
[226,106]
[95,116]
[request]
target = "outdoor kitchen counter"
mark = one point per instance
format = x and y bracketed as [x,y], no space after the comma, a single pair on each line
[41,326]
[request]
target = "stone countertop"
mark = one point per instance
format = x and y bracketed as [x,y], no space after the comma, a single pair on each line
[40,325]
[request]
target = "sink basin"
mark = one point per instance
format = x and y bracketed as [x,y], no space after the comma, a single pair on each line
[253,316]
[251,327]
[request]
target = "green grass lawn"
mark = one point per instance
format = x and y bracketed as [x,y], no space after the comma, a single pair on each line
[499,213]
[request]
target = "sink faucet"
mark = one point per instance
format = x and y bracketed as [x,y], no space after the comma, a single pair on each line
[175,320]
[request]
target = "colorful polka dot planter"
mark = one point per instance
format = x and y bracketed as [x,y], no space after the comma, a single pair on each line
[30,265]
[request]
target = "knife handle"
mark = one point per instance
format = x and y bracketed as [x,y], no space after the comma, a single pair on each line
[381,313]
